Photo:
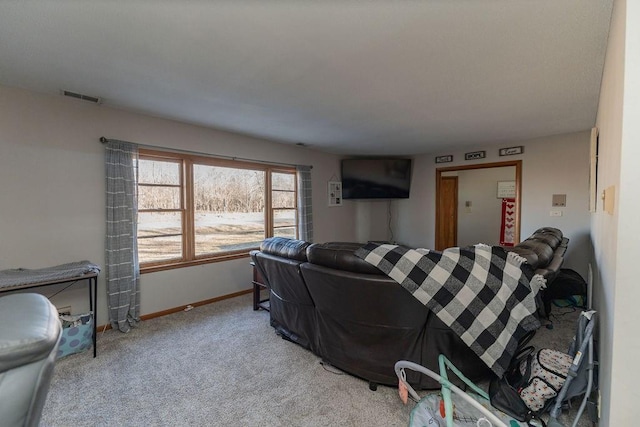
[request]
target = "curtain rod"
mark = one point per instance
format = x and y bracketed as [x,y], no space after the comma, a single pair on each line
[104,140]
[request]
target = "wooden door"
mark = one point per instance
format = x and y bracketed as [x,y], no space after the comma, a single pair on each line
[447,213]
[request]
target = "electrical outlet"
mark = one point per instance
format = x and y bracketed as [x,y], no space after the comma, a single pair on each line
[64,311]
[555,213]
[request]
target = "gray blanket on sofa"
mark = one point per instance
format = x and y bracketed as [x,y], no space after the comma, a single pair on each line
[483,293]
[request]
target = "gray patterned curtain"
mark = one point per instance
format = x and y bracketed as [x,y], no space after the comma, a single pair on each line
[305,217]
[122,269]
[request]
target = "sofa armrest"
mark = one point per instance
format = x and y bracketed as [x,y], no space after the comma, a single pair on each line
[29,329]
[285,247]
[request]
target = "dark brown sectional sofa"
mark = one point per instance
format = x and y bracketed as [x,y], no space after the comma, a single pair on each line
[354,317]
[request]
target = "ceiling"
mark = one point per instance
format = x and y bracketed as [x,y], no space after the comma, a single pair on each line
[360,77]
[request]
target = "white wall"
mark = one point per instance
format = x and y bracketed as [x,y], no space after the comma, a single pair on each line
[480,223]
[615,236]
[52,202]
[372,219]
[625,393]
[552,165]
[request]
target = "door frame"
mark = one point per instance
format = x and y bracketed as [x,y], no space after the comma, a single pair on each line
[518,166]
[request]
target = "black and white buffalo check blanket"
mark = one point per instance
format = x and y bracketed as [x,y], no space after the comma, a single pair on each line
[483,293]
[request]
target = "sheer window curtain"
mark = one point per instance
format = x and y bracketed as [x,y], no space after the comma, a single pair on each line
[305,217]
[121,246]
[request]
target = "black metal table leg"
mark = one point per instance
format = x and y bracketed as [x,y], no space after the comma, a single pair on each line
[93,307]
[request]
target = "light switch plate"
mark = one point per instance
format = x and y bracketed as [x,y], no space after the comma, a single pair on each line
[609,199]
[555,213]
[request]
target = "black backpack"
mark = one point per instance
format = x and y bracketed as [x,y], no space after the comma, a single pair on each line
[566,284]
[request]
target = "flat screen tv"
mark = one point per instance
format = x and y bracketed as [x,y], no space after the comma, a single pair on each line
[376,178]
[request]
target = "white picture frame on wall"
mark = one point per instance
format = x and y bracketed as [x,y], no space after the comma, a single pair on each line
[335,193]
[506,190]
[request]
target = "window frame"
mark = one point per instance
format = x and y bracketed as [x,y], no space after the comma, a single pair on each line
[187,162]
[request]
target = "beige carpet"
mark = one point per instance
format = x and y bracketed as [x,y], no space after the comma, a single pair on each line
[216,365]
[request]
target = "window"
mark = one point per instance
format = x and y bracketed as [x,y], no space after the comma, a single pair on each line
[198,209]
[229,208]
[160,210]
[283,204]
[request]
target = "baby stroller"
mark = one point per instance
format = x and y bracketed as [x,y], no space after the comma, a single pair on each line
[579,380]
[460,409]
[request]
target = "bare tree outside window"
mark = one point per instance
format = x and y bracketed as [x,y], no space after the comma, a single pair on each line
[229,208]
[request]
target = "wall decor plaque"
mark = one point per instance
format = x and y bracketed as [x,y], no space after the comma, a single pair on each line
[510,151]
[475,155]
[444,159]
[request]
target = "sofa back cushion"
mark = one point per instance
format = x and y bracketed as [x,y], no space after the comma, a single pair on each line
[540,248]
[543,250]
[366,323]
[526,253]
[550,239]
[549,230]
[285,247]
[549,235]
[339,256]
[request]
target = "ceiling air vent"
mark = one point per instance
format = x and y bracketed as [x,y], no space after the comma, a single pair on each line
[88,98]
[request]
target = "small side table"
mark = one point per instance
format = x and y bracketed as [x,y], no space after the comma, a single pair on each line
[92,279]
[258,287]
